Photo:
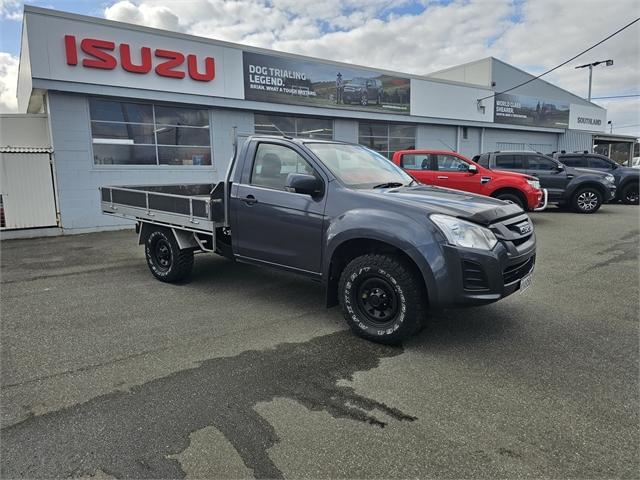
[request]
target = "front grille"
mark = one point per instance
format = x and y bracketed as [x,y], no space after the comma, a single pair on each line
[473,276]
[515,272]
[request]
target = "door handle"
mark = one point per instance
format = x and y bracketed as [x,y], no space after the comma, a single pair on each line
[250,200]
[442,177]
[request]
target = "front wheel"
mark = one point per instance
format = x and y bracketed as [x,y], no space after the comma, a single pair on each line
[587,200]
[630,194]
[382,298]
[165,259]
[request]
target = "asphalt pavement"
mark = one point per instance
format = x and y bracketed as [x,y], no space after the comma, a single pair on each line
[242,372]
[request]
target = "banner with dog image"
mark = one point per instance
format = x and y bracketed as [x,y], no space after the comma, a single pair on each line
[269,78]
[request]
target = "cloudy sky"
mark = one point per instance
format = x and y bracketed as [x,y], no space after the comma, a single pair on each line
[407,36]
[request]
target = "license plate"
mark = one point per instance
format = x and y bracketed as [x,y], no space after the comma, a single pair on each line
[526,282]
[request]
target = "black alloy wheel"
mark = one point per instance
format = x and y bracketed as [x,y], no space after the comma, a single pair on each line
[162,252]
[166,260]
[383,297]
[377,301]
[630,195]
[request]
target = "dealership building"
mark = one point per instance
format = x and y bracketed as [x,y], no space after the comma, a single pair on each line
[123,104]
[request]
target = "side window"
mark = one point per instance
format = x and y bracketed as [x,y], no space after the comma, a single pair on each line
[574,161]
[536,162]
[482,160]
[596,162]
[510,162]
[414,161]
[273,163]
[449,163]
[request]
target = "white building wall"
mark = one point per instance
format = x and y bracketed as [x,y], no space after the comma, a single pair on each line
[501,139]
[23,130]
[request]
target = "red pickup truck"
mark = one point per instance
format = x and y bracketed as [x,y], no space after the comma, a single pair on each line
[452,170]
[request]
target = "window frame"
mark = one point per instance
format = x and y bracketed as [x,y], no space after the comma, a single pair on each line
[249,180]
[386,139]
[546,159]
[296,119]
[437,165]
[158,166]
[515,156]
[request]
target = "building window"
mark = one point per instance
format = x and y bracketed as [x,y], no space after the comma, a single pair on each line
[387,138]
[129,133]
[465,133]
[311,127]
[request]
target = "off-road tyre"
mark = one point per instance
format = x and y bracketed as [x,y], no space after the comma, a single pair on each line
[586,200]
[513,198]
[165,259]
[630,194]
[396,285]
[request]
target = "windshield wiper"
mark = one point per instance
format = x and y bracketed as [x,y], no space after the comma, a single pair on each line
[389,185]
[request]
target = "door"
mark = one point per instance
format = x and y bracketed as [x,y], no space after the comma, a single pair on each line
[551,178]
[453,172]
[419,166]
[26,191]
[272,225]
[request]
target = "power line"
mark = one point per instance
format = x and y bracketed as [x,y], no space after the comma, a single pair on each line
[616,96]
[564,63]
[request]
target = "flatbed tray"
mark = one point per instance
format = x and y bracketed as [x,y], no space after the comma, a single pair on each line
[193,207]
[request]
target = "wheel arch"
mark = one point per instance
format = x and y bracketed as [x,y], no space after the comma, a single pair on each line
[513,191]
[354,247]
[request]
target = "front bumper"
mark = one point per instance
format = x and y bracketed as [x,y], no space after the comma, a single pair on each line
[612,194]
[352,95]
[470,277]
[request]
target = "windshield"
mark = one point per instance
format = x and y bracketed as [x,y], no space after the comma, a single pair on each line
[357,81]
[359,167]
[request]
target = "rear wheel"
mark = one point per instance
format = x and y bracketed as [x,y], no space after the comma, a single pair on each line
[513,198]
[165,259]
[630,194]
[382,298]
[587,200]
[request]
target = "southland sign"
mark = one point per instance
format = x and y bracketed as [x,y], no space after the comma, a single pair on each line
[593,119]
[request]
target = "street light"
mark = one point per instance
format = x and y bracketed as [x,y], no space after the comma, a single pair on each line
[607,63]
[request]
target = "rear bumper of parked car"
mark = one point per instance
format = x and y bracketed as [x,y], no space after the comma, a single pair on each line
[469,277]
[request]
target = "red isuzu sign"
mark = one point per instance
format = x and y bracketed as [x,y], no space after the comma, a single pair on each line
[96,55]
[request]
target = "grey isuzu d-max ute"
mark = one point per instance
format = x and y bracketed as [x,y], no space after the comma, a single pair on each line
[384,247]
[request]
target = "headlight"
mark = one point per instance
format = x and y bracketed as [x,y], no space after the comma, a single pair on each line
[534,184]
[610,178]
[464,234]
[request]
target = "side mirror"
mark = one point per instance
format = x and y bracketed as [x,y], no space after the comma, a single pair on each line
[472,169]
[304,184]
[559,167]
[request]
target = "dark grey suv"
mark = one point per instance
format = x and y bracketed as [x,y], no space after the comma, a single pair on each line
[626,178]
[363,91]
[581,189]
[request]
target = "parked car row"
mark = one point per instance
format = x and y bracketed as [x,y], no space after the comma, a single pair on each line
[580,181]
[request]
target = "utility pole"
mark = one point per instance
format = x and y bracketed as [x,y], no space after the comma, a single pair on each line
[607,63]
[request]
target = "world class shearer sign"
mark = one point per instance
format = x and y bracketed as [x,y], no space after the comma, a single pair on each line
[270,78]
[531,111]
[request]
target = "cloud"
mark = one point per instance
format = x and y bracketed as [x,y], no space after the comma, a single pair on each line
[8,82]
[11,9]
[419,36]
